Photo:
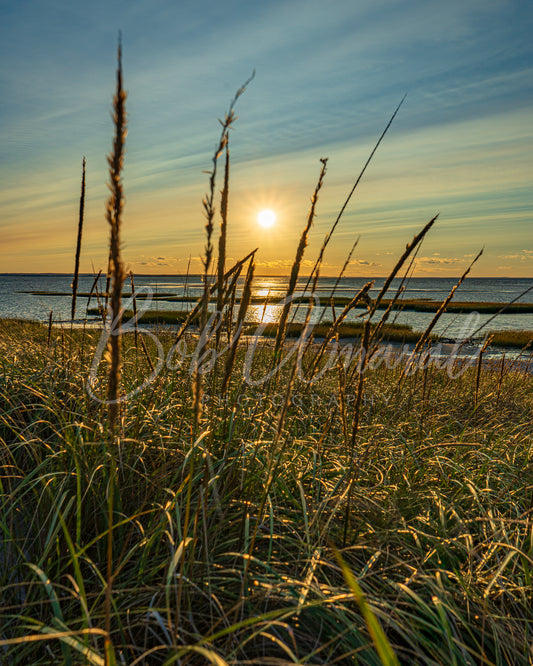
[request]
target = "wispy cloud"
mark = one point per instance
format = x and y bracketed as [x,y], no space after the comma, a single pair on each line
[436,260]
[524,255]
[158,262]
[363,262]
[284,264]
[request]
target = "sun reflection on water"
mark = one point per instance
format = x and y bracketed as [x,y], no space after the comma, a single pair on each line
[268,314]
[272,291]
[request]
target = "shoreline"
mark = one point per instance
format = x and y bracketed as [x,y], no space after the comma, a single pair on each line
[446,344]
[405,305]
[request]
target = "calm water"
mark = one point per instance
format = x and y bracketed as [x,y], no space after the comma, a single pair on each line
[16,301]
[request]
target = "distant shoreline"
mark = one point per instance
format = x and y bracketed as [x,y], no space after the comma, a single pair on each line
[348,332]
[408,304]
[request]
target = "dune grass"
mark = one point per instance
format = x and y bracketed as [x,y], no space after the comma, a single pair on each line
[233,502]
[439,538]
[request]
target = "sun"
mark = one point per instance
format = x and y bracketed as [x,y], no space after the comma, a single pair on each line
[266,218]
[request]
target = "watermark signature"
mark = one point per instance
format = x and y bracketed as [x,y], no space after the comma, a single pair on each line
[199,356]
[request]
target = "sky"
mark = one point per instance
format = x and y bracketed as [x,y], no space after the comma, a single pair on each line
[328,76]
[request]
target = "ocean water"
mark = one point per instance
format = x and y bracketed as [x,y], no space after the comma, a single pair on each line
[31,296]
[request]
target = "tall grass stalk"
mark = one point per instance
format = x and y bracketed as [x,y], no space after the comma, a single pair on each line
[209,212]
[330,233]
[425,335]
[114,217]
[221,265]
[340,276]
[332,302]
[360,297]
[229,301]
[94,290]
[78,242]
[134,303]
[361,367]
[479,366]
[503,309]
[50,320]
[107,286]
[295,269]
[236,268]
[139,340]
[241,316]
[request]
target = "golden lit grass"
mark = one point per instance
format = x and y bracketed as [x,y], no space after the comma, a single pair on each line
[439,537]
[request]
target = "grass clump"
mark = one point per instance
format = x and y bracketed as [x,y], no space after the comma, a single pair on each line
[423,305]
[390,332]
[513,339]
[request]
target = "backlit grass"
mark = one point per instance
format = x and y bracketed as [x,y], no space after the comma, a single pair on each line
[438,531]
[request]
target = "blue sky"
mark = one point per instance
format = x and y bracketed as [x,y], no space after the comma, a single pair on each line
[328,77]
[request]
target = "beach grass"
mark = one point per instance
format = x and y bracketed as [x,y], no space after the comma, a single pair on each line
[440,531]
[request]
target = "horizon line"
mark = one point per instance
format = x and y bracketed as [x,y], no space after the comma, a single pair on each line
[286,275]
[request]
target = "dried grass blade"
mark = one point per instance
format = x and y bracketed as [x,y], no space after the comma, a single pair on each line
[78,242]
[357,181]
